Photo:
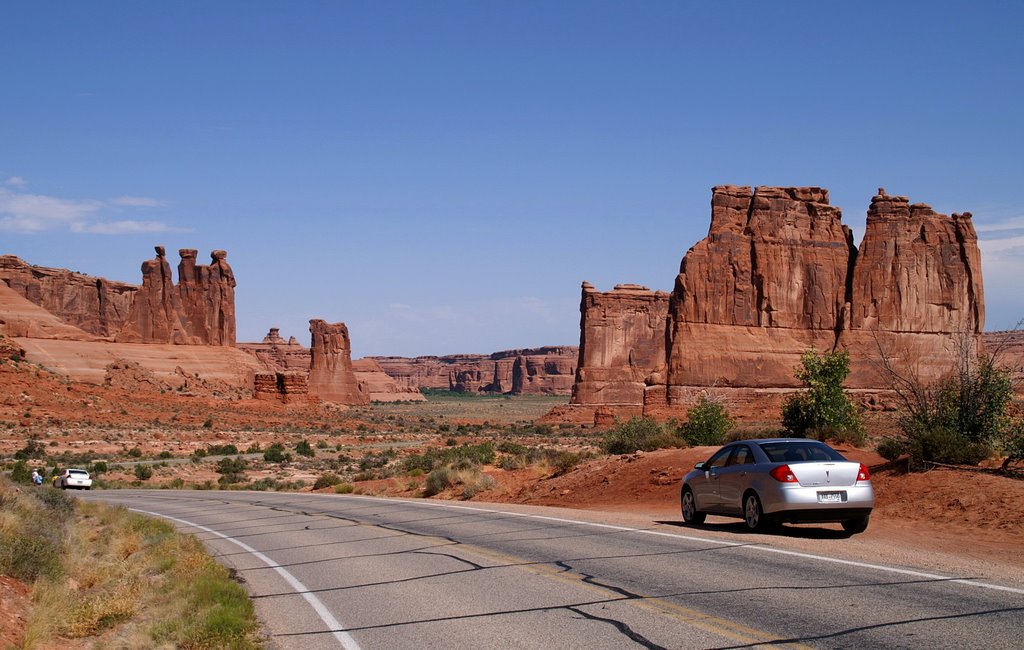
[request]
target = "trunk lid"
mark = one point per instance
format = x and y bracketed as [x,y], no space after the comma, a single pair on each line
[825,474]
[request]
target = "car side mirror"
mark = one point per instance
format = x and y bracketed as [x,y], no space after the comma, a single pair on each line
[699,465]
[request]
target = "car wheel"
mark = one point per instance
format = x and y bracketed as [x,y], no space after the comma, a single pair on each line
[858,525]
[689,507]
[753,514]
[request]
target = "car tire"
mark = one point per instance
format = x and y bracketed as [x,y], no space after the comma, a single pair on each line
[688,505]
[858,525]
[753,514]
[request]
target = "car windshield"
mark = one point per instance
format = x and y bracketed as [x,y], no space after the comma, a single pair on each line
[790,451]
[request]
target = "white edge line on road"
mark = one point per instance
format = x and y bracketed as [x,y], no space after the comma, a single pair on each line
[344,638]
[753,547]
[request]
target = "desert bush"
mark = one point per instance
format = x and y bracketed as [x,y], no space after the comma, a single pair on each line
[463,455]
[326,480]
[439,480]
[377,460]
[275,454]
[473,482]
[639,434]
[707,423]
[21,473]
[231,470]
[303,448]
[344,488]
[32,527]
[959,419]
[143,472]
[34,448]
[823,410]
[221,450]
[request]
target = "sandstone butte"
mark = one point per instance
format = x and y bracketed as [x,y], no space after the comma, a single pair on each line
[281,358]
[83,326]
[779,274]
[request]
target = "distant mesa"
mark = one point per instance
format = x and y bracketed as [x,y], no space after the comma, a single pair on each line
[778,274]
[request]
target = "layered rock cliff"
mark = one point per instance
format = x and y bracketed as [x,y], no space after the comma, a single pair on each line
[96,305]
[541,371]
[622,341]
[778,274]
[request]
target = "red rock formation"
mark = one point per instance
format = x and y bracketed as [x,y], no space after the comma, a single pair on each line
[777,275]
[380,386]
[155,316]
[766,284]
[548,370]
[95,305]
[622,341]
[200,310]
[276,354]
[331,378]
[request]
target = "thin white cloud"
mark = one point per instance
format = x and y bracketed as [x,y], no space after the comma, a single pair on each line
[35,213]
[16,181]
[126,227]
[137,202]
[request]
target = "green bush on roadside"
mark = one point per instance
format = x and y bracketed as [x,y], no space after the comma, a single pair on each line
[640,434]
[707,423]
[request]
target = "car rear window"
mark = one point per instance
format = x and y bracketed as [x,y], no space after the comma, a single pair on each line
[78,472]
[799,451]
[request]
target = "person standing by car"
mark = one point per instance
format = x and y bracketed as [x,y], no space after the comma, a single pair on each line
[37,478]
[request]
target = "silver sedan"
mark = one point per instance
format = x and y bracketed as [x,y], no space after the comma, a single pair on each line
[779,480]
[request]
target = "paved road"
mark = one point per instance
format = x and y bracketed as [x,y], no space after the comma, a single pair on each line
[360,572]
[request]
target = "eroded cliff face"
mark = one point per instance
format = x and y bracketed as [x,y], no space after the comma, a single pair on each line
[767,283]
[778,274]
[331,377]
[95,305]
[200,310]
[541,371]
[622,342]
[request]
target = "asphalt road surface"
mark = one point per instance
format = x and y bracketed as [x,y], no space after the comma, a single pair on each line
[328,571]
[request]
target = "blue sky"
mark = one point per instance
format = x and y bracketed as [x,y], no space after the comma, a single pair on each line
[443,175]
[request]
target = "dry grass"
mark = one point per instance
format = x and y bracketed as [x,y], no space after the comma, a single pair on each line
[130,581]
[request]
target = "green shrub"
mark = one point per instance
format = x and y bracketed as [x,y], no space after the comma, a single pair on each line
[438,480]
[961,418]
[21,472]
[639,434]
[823,410]
[303,448]
[891,448]
[143,472]
[221,450]
[344,488]
[326,480]
[34,448]
[707,423]
[275,454]
[463,455]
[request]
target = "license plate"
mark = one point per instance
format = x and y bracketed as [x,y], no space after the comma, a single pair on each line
[831,497]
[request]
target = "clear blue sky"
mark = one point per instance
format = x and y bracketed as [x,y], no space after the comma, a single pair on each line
[443,175]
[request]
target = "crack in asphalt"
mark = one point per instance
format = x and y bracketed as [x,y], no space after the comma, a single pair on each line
[624,629]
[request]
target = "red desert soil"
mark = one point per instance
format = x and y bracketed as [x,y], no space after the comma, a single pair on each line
[14,605]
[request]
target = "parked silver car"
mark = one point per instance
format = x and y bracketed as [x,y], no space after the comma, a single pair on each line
[75,478]
[779,480]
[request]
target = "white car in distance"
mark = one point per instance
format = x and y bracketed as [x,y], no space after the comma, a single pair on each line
[75,479]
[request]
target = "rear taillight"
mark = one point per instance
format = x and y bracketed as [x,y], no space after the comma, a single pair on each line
[783,474]
[863,474]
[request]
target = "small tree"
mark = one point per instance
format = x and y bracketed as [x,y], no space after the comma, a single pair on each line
[707,422]
[958,419]
[823,410]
